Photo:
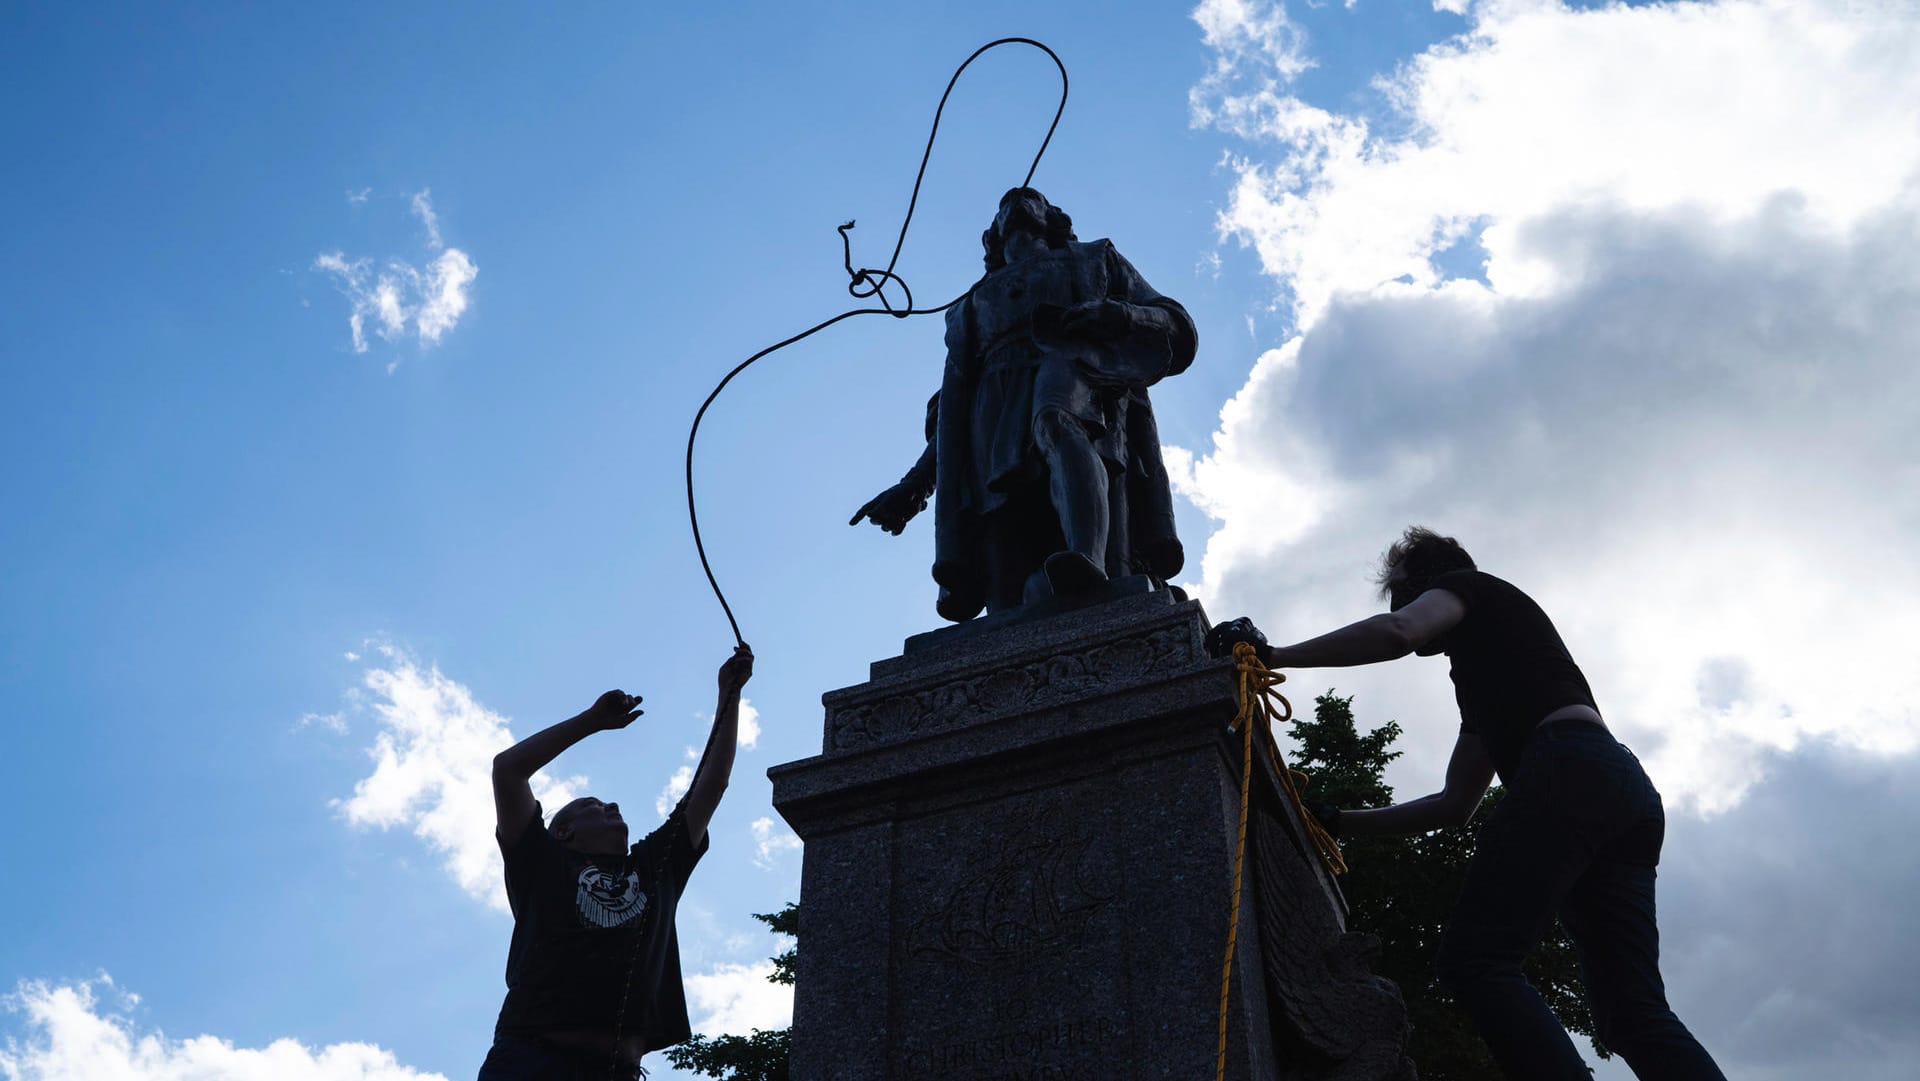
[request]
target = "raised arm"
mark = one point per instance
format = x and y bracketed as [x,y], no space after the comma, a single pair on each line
[514,767]
[1469,772]
[716,766]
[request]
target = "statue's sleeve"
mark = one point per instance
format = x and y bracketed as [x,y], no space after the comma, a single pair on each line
[1158,321]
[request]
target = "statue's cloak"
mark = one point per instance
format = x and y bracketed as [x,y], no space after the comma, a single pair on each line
[1159,341]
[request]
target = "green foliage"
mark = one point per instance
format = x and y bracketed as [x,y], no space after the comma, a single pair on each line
[1402,889]
[763,1055]
[759,1057]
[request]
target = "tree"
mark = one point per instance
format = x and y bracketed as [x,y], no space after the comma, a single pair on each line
[763,1055]
[1402,888]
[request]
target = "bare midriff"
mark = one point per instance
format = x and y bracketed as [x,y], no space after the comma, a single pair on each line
[1576,712]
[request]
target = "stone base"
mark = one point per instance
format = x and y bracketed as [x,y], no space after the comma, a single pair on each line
[1018,864]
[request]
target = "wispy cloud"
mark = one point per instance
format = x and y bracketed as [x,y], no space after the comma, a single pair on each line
[422,204]
[394,296]
[433,769]
[770,839]
[84,1031]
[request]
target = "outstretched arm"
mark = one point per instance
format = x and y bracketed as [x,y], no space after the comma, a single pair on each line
[892,509]
[514,767]
[1469,772]
[716,766]
[1385,637]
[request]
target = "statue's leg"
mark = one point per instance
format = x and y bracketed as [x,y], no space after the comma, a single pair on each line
[1077,486]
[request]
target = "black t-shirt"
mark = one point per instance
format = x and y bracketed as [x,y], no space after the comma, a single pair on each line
[1510,667]
[582,923]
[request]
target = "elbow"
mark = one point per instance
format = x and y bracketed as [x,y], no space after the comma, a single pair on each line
[1461,812]
[504,768]
[1398,636]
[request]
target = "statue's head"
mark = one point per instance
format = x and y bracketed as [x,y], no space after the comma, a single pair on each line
[1415,560]
[589,825]
[1025,208]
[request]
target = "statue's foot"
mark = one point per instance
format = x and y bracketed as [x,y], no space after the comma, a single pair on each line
[1071,572]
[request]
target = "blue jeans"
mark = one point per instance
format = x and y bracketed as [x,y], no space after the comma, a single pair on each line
[1578,835]
[526,1058]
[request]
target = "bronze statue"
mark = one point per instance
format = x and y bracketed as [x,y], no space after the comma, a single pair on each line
[1042,455]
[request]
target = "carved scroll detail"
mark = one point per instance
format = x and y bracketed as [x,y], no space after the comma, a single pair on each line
[1059,678]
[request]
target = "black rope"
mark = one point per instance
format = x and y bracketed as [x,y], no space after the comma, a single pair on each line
[864,283]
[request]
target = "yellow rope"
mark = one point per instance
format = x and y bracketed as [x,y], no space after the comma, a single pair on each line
[1257,697]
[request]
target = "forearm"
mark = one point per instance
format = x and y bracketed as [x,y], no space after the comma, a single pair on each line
[921,476]
[1371,640]
[1414,816]
[716,765]
[527,757]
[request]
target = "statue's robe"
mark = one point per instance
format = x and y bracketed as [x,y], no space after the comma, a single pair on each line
[1007,360]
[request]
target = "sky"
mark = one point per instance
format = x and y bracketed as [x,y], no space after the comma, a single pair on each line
[350,356]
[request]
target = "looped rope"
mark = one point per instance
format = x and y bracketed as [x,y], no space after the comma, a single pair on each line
[1257,697]
[862,284]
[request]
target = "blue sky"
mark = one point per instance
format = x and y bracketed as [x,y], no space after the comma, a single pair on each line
[1620,296]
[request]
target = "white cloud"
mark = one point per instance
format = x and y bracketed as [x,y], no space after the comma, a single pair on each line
[422,204]
[676,787]
[333,722]
[398,295]
[1679,407]
[433,771]
[738,998]
[72,1035]
[749,725]
[358,196]
[1713,106]
[769,840]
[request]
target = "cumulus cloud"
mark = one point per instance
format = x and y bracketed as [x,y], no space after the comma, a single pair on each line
[738,998]
[1626,299]
[394,296]
[769,840]
[83,1031]
[433,769]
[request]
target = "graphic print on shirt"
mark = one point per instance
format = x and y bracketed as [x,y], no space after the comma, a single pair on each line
[609,899]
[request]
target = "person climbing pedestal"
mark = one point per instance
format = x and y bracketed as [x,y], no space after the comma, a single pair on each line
[1019,863]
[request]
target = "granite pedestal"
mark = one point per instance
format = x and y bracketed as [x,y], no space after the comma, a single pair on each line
[1019,861]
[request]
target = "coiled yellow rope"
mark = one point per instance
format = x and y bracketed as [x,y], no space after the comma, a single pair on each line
[1257,698]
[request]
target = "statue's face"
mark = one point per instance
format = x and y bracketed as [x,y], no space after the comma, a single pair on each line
[1025,212]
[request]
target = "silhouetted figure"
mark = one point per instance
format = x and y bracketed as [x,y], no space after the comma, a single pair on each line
[593,972]
[1578,835]
[1042,451]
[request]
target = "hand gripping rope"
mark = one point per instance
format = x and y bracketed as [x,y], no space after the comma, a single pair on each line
[1257,698]
[863,283]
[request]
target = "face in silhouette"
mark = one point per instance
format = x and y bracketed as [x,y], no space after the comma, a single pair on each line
[1024,216]
[589,825]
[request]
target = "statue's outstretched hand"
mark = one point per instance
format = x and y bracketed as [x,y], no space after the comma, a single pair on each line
[892,509]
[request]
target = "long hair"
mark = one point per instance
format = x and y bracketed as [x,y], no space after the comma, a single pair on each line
[1425,555]
[1059,228]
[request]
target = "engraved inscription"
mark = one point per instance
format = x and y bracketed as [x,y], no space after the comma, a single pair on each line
[1075,1050]
[1058,678]
[1035,891]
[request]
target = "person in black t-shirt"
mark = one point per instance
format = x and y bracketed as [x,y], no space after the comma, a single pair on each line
[1578,835]
[593,971]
